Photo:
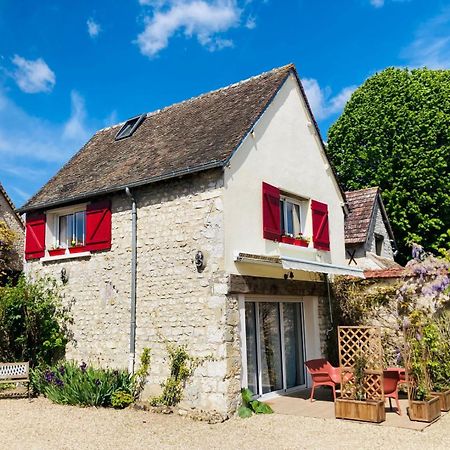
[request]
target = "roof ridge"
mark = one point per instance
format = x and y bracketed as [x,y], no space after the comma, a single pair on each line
[286,67]
[363,189]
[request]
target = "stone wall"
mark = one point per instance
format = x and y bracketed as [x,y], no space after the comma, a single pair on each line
[8,216]
[175,303]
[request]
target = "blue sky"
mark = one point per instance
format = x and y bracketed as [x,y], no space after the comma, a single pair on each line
[70,68]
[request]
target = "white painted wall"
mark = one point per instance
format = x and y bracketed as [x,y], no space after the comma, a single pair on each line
[284,151]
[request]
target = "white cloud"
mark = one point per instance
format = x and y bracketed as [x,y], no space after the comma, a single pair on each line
[33,76]
[32,149]
[75,128]
[28,138]
[322,102]
[377,3]
[93,28]
[250,23]
[200,18]
[431,45]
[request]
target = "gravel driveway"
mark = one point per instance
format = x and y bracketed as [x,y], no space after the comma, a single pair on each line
[43,425]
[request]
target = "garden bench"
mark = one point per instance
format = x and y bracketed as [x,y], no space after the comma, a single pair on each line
[17,372]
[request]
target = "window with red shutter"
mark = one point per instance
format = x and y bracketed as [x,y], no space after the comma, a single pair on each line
[98,226]
[35,236]
[271,212]
[321,232]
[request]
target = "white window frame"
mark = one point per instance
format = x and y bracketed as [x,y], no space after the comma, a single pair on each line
[53,223]
[303,205]
[243,299]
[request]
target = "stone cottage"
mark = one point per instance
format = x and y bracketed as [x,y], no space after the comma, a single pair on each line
[369,240]
[214,223]
[12,220]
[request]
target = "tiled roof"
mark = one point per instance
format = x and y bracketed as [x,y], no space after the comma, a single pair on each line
[360,204]
[394,272]
[194,135]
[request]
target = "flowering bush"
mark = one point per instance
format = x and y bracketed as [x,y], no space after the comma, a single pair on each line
[73,384]
[422,301]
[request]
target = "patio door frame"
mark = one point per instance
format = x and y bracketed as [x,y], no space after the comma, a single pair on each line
[302,347]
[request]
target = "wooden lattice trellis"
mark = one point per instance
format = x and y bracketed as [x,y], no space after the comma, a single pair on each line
[356,342]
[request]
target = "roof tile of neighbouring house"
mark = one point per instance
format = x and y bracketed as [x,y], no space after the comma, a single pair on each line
[360,204]
[196,134]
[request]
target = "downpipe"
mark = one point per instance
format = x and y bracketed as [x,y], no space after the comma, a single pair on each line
[132,354]
[330,308]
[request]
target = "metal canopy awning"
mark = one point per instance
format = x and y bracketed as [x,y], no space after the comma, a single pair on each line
[289,263]
[316,266]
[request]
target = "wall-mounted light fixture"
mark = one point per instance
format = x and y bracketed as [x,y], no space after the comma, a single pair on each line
[199,261]
[64,276]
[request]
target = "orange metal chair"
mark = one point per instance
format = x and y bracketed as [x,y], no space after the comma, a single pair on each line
[392,379]
[323,374]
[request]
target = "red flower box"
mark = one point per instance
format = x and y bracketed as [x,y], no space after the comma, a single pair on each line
[57,252]
[293,241]
[78,249]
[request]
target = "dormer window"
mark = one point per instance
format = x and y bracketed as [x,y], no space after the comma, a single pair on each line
[130,126]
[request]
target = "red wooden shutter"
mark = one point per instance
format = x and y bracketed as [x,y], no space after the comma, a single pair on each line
[98,226]
[35,236]
[321,232]
[271,212]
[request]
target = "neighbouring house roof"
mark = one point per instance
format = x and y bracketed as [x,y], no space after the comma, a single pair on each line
[393,272]
[361,211]
[11,204]
[194,135]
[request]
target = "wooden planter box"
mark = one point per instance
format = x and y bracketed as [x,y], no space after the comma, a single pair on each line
[424,411]
[366,411]
[57,252]
[444,399]
[294,241]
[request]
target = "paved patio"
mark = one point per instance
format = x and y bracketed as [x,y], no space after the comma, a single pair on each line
[298,404]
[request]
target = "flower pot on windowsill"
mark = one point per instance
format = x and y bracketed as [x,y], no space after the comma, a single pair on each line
[77,249]
[444,399]
[294,241]
[57,252]
[424,410]
[366,411]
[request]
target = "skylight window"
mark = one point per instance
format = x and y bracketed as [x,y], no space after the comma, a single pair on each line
[130,126]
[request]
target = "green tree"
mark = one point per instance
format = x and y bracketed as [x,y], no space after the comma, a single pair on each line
[395,133]
[7,240]
[34,324]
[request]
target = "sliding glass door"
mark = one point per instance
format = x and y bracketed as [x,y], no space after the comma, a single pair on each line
[274,332]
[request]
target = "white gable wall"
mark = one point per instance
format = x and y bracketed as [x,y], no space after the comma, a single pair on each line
[283,151]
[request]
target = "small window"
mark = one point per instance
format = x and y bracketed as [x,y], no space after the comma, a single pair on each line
[293,215]
[130,126]
[71,229]
[379,239]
